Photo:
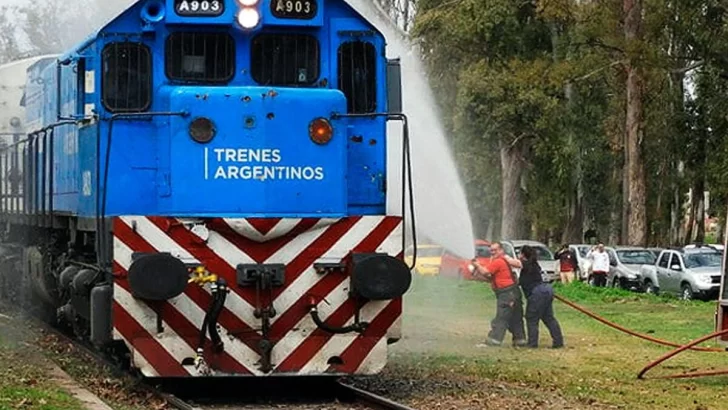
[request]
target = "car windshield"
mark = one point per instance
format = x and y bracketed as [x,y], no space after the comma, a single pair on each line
[509,250]
[583,250]
[429,252]
[482,251]
[636,257]
[544,254]
[702,259]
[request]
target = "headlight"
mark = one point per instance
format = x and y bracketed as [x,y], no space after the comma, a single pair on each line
[248,18]
[202,130]
[320,131]
[632,274]
[705,278]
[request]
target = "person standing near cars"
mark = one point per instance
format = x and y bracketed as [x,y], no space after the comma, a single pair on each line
[567,264]
[509,303]
[600,264]
[540,299]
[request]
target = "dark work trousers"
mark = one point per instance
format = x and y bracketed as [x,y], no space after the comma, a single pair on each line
[540,307]
[508,316]
[600,279]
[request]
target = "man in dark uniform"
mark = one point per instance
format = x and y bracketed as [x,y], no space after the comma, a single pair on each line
[509,305]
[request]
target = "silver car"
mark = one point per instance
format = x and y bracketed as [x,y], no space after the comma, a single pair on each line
[625,264]
[545,258]
[584,264]
[690,273]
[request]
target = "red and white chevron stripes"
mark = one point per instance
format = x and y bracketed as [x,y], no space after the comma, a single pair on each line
[299,347]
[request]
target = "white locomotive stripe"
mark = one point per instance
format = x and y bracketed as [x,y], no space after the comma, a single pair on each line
[147,318]
[192,312]
[242,309]
[157,239]
[239,307]
[283,227]
[335,253]
[299,244]
[238,350]
[375,360]
[244,228]
[393,244]
[338,343]
[291,340]
[122,254]
[137,358]
[307,322]
[226,250]
[164,243]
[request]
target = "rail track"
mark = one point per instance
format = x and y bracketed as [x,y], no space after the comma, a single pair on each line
[338,392]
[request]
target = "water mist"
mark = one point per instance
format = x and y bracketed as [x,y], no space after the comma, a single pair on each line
[441,209]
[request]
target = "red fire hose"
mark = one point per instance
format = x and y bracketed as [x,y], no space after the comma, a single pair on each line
[682,349]
[679,348]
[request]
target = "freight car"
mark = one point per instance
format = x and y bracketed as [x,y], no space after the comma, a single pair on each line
[202,189]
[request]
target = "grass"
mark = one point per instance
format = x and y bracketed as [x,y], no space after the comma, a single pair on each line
[23,380]
[444,319]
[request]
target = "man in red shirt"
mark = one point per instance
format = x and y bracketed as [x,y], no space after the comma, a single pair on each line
[509,305]
[567,263]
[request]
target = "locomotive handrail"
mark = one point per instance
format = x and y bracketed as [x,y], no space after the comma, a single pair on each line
[406,173]
[36,132]
[102,257]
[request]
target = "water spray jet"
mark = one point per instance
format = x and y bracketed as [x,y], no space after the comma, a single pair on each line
[442,212]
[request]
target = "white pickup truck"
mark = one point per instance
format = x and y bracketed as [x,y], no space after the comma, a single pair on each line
[688,273]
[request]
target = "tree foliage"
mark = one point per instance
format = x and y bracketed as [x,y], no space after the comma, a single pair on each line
[597,108]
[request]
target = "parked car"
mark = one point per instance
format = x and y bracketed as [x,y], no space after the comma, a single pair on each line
[454,266]
[689,273]
[625,264]
[428,259]
[656,251]
[545,258]
[701,245]
[584,264]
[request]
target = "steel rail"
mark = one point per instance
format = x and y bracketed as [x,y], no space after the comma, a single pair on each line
[170,399]
[371,399]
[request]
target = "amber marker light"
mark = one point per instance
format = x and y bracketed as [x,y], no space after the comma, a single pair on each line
[320,131]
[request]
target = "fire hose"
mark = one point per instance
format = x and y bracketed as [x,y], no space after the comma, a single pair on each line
[678,348]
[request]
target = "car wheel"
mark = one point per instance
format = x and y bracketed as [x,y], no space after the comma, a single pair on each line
[686,292]
[615,283]
[650,288]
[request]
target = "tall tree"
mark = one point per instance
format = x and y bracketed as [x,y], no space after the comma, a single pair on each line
[636,188]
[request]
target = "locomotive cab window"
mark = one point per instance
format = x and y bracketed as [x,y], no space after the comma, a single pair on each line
[285,59]
[357,76]
[127,77]
[200,57]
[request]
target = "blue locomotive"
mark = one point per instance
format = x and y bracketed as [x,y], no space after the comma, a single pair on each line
[199,175]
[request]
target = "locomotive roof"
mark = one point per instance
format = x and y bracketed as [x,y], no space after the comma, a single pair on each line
[355,5]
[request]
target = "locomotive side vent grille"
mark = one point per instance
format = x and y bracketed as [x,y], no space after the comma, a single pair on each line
[290,60]
[202,58]
[127,77]
[357,76]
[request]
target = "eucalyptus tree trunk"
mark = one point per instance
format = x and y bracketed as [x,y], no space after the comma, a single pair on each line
[512,167]
[636,188]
